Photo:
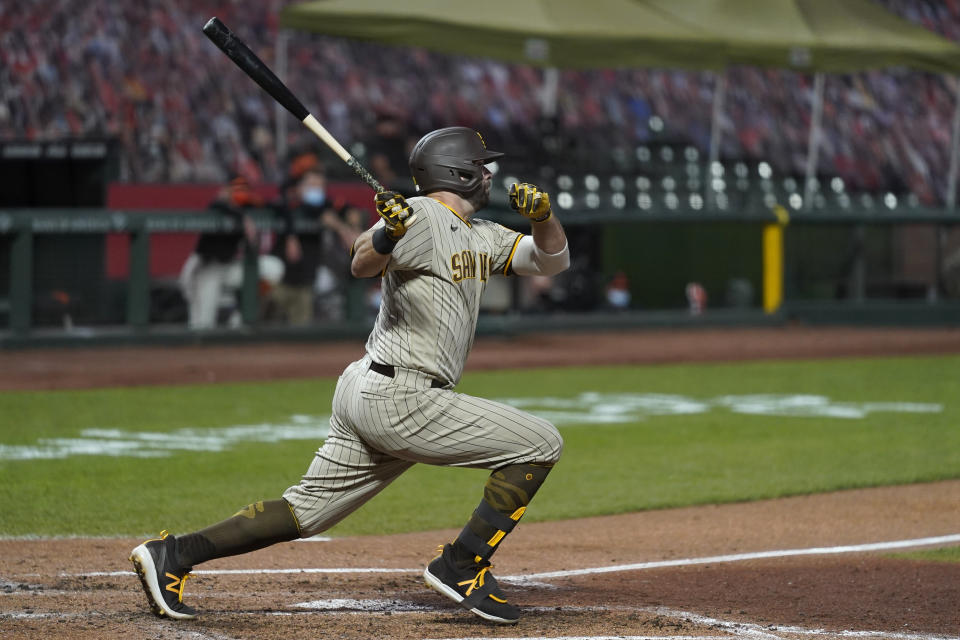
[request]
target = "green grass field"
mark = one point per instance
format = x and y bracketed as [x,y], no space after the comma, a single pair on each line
[665,435]
[946,554]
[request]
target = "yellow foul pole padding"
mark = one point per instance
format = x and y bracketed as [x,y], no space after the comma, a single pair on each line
[773,261]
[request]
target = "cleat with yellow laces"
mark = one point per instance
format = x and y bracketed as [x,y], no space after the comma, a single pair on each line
[474,588]
[162,577]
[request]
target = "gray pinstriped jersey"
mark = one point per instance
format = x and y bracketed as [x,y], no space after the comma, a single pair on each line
[382,425]
[432,288]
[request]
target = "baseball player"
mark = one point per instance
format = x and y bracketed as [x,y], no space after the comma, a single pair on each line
[397,405]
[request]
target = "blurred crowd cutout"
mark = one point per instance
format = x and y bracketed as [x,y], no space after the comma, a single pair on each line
[144,74]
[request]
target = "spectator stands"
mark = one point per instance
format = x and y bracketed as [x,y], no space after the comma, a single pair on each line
[144,74]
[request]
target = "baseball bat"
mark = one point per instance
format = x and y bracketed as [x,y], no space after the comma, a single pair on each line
[260,73]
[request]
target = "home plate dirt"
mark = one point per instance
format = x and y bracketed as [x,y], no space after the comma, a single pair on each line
[804,567]
[813,567]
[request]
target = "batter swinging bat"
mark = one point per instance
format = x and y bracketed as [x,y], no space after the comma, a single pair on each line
[254,67]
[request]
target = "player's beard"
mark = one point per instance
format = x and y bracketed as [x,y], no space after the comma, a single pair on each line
[481,197]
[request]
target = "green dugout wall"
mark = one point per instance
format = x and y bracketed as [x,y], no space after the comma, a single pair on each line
[847,260]
[660,258]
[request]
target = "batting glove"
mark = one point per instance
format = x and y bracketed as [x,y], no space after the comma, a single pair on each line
[527,200]
[396,214]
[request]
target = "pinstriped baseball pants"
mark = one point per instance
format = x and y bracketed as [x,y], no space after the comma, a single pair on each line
[382,426]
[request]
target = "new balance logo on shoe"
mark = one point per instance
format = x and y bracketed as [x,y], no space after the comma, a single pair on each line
[175,585]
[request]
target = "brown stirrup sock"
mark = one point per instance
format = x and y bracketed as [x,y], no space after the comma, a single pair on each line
[257,525]
[505,498]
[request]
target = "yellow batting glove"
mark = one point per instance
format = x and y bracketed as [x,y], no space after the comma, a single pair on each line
[527,200]
[393,208]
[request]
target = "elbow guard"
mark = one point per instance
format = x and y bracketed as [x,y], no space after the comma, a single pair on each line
[530,260]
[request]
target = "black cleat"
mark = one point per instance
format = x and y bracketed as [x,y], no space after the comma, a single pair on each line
[155,562]
[473,588]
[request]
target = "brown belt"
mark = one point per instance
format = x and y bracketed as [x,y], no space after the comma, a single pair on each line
[390,371]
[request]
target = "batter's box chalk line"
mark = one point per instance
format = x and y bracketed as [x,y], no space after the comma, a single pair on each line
[732,630]
[772,631]
[603,638]
[735,630]
[739,557]
[539,578]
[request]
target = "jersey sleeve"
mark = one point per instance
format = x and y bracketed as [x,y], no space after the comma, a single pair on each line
[414,251]
[505,243]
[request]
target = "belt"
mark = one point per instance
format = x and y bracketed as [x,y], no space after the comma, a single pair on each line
[390,371]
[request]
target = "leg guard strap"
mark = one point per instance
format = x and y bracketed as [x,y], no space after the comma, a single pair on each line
[495,520]
[493,517]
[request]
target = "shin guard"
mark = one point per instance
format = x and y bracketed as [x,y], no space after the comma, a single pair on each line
[506,495]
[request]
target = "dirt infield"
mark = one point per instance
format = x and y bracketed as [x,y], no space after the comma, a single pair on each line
[804,567]
[125,366]
[707,585]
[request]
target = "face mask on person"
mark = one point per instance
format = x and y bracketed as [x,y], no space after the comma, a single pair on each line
[314,196]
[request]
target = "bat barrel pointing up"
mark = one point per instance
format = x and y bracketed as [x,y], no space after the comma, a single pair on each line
[259,72]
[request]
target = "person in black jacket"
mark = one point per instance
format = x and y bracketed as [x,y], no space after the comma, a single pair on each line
[215,266]
[313,242]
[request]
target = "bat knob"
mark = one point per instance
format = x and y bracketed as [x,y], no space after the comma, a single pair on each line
[213,25]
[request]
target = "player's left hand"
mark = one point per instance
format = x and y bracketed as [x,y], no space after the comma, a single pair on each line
[396,213]
[527,200]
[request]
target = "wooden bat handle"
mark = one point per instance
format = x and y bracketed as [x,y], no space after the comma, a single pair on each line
[321,132]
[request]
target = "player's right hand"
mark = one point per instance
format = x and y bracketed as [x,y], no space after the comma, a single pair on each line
[396,213]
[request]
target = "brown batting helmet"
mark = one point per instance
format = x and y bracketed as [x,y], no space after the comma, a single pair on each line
[450,159]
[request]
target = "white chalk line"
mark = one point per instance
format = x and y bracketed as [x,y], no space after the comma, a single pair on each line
[331,607]
[247,572]
[752,630]
[163,629]
[640,566]
[317,538]
[366,606]
[26,593]
[740,630]
[740,557]
[598,638]
[736,629]
[327,607]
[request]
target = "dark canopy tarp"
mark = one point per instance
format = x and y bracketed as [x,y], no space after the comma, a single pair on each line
[806,35]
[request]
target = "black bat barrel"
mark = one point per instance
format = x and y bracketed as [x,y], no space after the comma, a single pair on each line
[253,66]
